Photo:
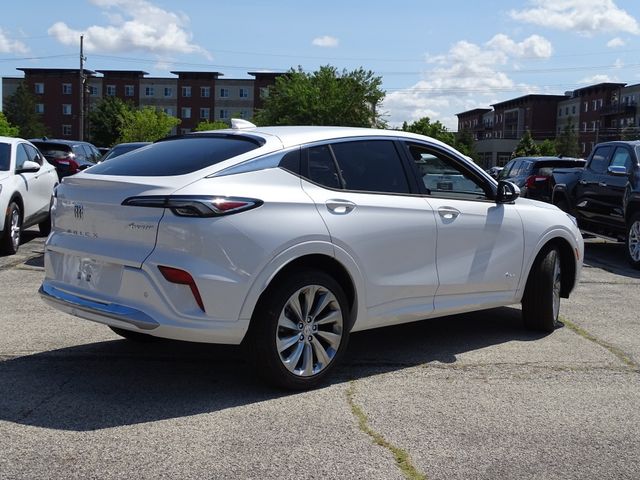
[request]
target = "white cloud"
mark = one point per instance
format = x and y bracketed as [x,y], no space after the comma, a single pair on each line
[134,25]
[468,76]
[587,17]
[616,42]
[595,79]
[11,46]
[325,41]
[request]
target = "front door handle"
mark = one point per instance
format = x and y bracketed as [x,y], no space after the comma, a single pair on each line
[582,182]
[340,207]
[448,213]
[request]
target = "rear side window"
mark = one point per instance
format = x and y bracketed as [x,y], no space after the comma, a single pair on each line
[321,167]
[177,156]
[371,166]
[5,156]
[598,163]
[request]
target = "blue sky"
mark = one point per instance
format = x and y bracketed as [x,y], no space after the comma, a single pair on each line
[436,58]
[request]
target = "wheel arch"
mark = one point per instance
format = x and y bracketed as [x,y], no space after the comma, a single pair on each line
[568,262]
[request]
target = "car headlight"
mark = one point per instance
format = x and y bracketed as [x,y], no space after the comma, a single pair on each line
[573,219]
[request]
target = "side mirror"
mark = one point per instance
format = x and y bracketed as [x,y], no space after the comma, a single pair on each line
[507,192]
[618,171]
[29,166]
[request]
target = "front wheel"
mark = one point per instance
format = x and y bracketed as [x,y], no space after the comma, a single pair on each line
[300,330]
[541,299]
[10,241]
[633,241]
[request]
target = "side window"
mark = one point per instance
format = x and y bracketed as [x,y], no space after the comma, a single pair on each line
[21,156]
[321,168]
[89,154]
[506,171]
[79,152]
[291,162]
[621,158]
[598,163]
[33,154]
[371,166]
[443,176]
[525,168]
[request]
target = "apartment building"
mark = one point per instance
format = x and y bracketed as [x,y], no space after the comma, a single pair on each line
[190,96]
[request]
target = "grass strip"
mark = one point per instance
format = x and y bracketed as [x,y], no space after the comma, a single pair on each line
[403,461]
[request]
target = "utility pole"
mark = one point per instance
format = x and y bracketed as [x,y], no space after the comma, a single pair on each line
[82,80]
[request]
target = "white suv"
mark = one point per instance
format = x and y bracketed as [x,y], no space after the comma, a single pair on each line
[27,181]
[290,238]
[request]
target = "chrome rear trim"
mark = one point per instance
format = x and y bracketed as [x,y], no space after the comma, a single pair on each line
[111,310]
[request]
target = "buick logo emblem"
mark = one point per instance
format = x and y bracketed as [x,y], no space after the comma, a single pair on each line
[78,211]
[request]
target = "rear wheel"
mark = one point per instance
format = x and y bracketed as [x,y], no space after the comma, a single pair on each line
[10,241]
[133,336]
[300,330]
[633,241]
[541,299]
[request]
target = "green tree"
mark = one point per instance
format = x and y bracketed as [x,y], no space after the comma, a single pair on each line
[146,125]
[6,129]
[526,146]
[217,125]
[547,148]
[106,121]
[20,110]
[324,97]
[567,141]
[465,144]
[436,130]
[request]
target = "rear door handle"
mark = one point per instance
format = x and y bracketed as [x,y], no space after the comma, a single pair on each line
[448,213]
[340,207]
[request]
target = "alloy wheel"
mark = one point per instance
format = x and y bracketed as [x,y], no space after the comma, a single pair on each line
[310,329]
[557,284]
[15,228]
[634,241]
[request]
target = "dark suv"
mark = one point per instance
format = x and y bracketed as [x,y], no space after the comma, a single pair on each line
[68,156]
[534,174]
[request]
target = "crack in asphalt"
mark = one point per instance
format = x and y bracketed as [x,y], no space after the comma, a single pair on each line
[401,456]
[46,399]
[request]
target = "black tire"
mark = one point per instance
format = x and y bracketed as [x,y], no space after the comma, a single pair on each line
[45,226]
[541,299]
[10,241]
[134,336]
[632,242]
[274,320]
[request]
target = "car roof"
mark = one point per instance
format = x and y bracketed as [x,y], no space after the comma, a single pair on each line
[12,140]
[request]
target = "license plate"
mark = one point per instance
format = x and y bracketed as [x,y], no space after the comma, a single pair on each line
[87,272]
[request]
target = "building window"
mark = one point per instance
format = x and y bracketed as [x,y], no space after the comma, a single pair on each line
[168,92]
[264,92]
[224,93]
[600,103]
[593,126]
[186,112]
[205,92]
[573,110]
[93,90]
[224,113]
[594,104]
[66,130]
[39,107]
[184,131]
[186,91]
[244,92]
[586,108]
[244,114]
[614,123]
[559,112]
[168,111]
[584,128]
[111,90]
[66,89]
[129,91]
[148,91]
[39,88]
[204,113]
[66,109]
[566,111]
[584,147]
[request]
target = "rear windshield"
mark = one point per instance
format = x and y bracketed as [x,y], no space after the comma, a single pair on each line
[559,164]
[176,156]
[5,156]
[54,150]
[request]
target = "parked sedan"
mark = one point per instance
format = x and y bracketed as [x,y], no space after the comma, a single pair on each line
[26,186]
[534,175]
[68,156]
[122,148]
[291,238]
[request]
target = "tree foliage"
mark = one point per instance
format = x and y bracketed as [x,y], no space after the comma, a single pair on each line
[146,125]
[547,148]
[567,141]
[463,142]
[526,146]
[324,97]
[6,129]
[106,121]
[20,110]
[217,125]
[630,132]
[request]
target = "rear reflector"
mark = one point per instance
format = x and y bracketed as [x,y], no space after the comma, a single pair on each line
[175,275]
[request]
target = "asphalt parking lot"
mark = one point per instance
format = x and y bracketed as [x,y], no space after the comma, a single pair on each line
[468,396]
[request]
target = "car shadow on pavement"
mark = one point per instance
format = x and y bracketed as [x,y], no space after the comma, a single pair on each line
[609,256]
[116,383]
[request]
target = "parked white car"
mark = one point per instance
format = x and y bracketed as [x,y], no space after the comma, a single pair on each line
[290,238]
[27,181]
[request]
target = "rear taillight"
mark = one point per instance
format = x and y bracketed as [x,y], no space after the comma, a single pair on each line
[180,277]
[534,181]
[196,206]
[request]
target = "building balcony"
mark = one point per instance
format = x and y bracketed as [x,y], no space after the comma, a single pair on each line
[618,108]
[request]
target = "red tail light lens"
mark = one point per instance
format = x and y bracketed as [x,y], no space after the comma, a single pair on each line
[535,180]
[196,206]
[181,277]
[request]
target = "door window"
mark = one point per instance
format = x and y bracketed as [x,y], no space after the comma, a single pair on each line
[33,154]
[21,156]
[621,158]
[599,160]
[443,176]
[321,167]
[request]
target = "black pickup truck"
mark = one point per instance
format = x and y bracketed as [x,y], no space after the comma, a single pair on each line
[605,195]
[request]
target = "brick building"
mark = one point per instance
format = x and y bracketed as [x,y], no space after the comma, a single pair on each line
[190,96]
